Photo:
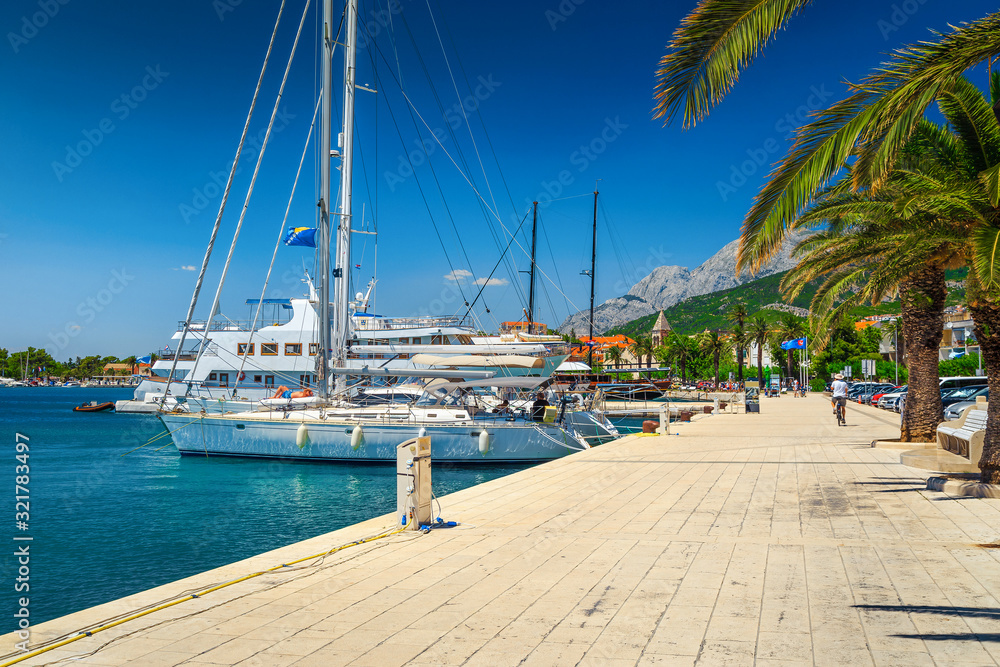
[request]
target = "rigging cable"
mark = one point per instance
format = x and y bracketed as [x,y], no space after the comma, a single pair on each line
[222,208]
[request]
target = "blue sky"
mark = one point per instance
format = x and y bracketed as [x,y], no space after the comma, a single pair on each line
[119,118]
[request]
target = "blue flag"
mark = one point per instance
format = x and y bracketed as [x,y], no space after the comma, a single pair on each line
[797,344]
[144,360]
[305,236]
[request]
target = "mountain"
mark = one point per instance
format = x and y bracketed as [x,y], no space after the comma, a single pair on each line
[668,285]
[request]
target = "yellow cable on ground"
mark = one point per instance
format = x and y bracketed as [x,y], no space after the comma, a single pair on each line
[87,633]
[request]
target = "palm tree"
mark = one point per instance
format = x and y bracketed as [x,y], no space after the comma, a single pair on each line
[711,342]
[789,327]
[895,329]
[740,341]
[759,331]
[131,361]
[643,347]
[681,348]
[614,355]
[738,315]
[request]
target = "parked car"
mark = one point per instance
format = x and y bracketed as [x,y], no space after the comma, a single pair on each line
[866,396]
[960,395]
[878,395]
[888,400]
[955,410]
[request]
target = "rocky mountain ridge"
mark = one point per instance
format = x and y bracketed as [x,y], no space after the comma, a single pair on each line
[668,285]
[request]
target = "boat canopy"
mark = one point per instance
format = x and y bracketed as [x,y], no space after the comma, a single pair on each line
[475,361]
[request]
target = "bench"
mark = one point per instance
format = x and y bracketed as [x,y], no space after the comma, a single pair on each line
[965,438]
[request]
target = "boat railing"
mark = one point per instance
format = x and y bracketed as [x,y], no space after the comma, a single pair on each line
[187,355]
[227,325]
[364,322]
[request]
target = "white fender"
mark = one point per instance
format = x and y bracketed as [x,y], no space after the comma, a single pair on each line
[302,436]
[484,441]
[357,437]
[422,433]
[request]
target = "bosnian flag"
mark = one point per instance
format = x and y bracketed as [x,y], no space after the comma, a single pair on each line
[797,344]
[305,236]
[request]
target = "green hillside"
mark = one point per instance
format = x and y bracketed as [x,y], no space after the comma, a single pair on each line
[708,311]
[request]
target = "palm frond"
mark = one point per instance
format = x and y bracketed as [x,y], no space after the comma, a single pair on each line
[972,119]
[985,243]
[713,44]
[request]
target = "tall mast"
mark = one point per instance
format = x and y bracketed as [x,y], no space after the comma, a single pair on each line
[342,266]
[593,266]
[324,154]
[531,283]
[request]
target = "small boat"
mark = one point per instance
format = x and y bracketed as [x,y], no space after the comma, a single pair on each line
[94,406]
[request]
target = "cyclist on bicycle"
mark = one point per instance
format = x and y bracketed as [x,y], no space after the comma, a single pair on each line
[839,388]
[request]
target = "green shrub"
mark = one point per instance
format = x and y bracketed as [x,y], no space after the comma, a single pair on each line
[817,384]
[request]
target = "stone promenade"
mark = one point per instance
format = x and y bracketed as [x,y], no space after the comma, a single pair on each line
[761,539]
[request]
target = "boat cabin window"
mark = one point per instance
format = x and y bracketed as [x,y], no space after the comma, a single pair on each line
[293,349]
[268,349]
[244,348]
[464,339]
[404,341]
[313,349]
[305,380]
[212,377]
[268,380]
[257,379]
[224,379]
[417,340]
[436,340]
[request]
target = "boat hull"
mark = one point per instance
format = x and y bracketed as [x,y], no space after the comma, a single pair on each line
[329,440]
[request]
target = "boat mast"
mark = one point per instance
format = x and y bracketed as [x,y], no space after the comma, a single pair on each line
[323,257]
[342,268]
[531,283]
[593,266]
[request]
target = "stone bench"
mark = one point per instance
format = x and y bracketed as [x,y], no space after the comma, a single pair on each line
[965,436]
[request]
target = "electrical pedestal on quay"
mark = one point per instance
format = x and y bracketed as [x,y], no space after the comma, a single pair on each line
[413,483]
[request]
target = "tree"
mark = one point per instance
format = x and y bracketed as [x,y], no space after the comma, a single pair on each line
[789,327]
[715,345]
[131,361]
[740,341]
[643,347]
[614,355]
[681,348]
[738,315]
[759,331]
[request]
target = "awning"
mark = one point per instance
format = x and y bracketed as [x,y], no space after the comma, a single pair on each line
[477,361]
[571,366]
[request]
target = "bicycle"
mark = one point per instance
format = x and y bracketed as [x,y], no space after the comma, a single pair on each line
[839,410]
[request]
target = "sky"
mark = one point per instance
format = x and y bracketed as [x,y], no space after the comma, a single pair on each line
[120,121]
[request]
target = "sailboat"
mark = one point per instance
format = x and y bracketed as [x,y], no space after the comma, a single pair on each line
[335,428]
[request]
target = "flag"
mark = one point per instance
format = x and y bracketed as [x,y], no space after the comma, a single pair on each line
[144,360]
[305,236]
[797,344]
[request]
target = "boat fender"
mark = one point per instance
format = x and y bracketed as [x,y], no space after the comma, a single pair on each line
[422,433]
[484,442]
[302,436]
[357,437]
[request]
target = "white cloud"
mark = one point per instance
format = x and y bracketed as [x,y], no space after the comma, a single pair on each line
[458,275]
[492,282]
[189,267]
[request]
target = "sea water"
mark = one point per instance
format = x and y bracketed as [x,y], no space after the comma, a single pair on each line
[106,521]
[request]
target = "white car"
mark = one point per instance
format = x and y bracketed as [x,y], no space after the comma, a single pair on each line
[888,401]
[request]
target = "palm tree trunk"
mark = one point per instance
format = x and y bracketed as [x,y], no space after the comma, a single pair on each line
[715,358]
[922,298]
[739,364]
[760,365]
[790,362]
[986,316]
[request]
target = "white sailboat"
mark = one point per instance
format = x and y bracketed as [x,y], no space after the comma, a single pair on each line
[337,429]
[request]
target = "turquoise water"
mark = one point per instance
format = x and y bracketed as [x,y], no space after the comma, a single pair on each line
[106,525]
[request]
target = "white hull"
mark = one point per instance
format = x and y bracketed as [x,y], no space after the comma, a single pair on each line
[330,440]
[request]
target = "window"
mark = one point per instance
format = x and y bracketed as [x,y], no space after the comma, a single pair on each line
[224,379]
[212,377]
[436,340]
[417,340]
[304,380]
[268,349]
[242,348]
[257,379]
[268,379]
[293,349]
[404,341]
[313,349]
